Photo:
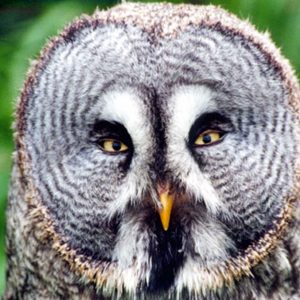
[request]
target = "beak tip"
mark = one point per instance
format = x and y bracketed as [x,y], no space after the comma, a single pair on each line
[165,227]
[165,211]
[165,220]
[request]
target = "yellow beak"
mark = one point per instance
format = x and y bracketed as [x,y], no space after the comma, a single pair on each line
[165,211]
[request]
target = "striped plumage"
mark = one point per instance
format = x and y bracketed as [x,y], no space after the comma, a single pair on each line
[83,223]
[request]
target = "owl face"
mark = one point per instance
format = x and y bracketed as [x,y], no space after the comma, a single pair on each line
[119,116]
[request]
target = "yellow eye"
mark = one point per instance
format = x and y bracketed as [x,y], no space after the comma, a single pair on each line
[208,137]
[113,146]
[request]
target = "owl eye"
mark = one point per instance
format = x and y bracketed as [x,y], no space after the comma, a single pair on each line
[208,137]
[113,146]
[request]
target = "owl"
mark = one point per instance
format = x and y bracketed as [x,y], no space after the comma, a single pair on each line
[157,157]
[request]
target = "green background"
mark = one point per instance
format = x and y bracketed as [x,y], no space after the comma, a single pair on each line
[26,25]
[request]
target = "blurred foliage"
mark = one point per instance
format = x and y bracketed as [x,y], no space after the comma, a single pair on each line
[26,25]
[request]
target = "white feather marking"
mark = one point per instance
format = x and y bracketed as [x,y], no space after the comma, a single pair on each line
[126,108]
[131,253]
[210,246]
[187,104]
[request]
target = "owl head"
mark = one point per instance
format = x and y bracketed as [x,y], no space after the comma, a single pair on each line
[158,147]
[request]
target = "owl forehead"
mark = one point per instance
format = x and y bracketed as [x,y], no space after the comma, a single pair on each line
[127,57]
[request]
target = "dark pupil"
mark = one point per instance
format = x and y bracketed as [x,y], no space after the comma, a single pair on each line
[116,145]
[206,138]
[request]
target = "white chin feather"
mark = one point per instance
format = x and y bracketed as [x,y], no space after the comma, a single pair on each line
[131,254]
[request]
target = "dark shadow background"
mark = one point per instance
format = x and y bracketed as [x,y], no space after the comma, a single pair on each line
[26,25]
